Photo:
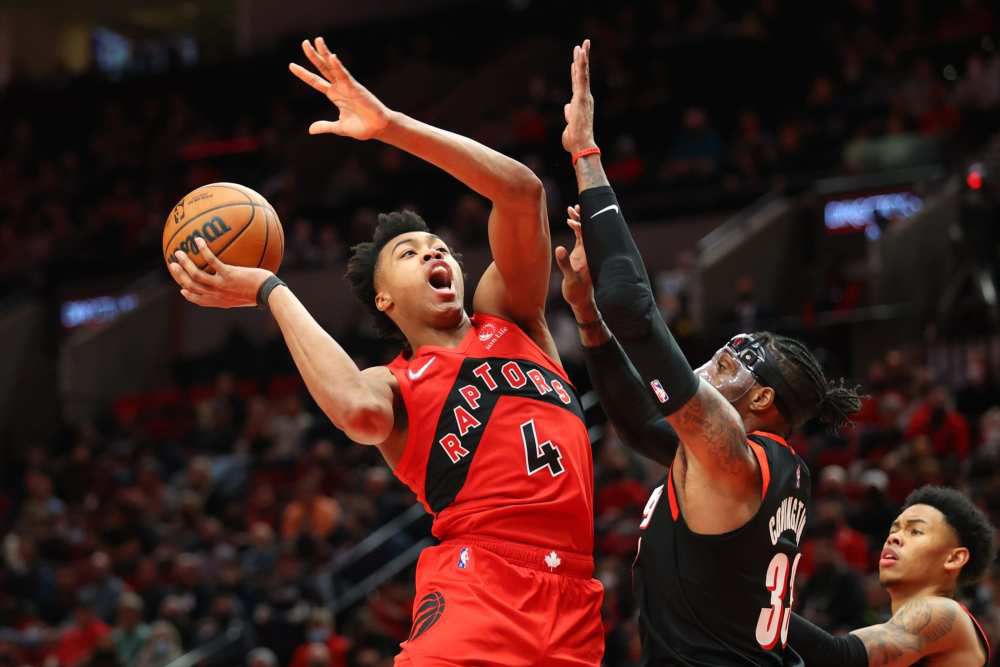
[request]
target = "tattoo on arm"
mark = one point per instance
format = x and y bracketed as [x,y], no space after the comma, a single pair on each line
[712,429]
[590,173]
[910,634]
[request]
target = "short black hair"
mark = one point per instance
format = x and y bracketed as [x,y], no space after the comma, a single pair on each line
[833,402]
[975,532]
[364,258]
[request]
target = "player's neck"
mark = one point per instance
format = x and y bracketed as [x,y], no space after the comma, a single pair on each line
[439,337]
[901,594]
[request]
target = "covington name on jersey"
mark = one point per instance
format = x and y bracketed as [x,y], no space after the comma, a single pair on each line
[791,515]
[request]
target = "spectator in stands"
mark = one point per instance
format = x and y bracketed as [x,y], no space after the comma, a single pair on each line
[833,596]
[310,514]
[130,633]
[163,646]
[747,314]
[320,630]
[105,588]
[262,657]
[78,641]
[937,420]
[696,150]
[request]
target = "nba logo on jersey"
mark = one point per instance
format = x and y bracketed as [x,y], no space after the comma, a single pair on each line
[661,395]
[798,476]
[463,558]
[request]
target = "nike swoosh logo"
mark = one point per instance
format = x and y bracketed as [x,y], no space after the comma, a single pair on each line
[613,207]
[416,376]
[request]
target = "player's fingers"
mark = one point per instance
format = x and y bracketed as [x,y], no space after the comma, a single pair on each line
[562,261]
[182,278]
[573,212]
[326,127]
[338,68]
[212,262]
[315,58]
[332,69]
[313,80]
[566,112]
[198,277]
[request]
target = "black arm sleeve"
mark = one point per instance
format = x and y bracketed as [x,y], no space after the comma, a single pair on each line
[819,648]
[625,298]
[629,407]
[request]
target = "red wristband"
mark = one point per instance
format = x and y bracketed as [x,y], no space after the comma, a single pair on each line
[593,150]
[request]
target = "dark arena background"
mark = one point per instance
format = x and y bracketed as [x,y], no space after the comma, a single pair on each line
[170,493]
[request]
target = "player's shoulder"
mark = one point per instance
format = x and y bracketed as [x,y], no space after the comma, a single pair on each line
[938,620]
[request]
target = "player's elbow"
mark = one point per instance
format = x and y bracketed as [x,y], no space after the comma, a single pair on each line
[525,188]
[367,421]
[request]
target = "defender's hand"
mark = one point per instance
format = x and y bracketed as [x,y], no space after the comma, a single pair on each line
[577,287]
[579,113]
[228,287]
[362,115]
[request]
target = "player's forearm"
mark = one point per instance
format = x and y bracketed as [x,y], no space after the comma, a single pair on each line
[331,376]
[590,173]
[502,180]
[627,404]
[818,647]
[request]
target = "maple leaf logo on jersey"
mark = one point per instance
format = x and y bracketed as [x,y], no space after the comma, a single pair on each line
[552,560]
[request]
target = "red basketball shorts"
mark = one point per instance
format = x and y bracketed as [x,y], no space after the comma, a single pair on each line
[483,604]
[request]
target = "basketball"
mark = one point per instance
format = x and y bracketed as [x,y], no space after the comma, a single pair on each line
[239,225]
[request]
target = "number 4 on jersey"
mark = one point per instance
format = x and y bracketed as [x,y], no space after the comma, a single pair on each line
[538,456]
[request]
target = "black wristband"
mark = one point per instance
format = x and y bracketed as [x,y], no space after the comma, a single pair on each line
[266,287]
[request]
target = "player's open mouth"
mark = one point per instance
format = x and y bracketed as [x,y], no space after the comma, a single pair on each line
[888,557]
[440,278]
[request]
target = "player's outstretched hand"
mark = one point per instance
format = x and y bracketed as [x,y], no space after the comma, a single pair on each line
[579,132]
[577,287]
[228,287]
[362,115]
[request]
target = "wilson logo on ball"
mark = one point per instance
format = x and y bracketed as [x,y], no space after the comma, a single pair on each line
[210,231]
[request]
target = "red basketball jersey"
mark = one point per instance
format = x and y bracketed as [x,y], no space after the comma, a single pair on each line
[497,448]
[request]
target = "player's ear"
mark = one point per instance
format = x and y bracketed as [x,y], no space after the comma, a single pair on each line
[383,301]
[761,398]
[956,559]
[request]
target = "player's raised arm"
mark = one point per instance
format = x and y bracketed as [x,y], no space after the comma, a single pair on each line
[516,285]
[629,407]
[709,427]
[360,403]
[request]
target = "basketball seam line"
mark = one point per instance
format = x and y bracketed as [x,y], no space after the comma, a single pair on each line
[221,250]
[267,234]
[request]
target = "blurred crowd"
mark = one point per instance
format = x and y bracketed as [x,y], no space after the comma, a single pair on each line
[224,511]
[229,515]
[701,105]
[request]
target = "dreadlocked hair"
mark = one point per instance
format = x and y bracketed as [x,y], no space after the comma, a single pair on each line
[833,402]
[364,260]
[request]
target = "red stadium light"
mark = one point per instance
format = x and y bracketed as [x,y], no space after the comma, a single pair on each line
[974,179]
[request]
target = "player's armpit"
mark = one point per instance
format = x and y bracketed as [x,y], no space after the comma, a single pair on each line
[921,628]
[370,415]
[712,432]
[515,286]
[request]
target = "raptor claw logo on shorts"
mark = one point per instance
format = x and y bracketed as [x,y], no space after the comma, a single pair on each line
[428,612]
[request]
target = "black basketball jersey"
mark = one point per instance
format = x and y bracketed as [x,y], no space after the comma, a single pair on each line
[725,599]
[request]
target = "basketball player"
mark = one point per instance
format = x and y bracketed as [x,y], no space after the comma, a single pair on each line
[476,415]
[716,564]
[939,542]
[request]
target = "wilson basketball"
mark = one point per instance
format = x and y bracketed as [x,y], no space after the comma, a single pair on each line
[239,225]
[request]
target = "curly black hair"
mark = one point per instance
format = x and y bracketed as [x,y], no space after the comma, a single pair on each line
[833,401]
[364,260]
[975,532]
